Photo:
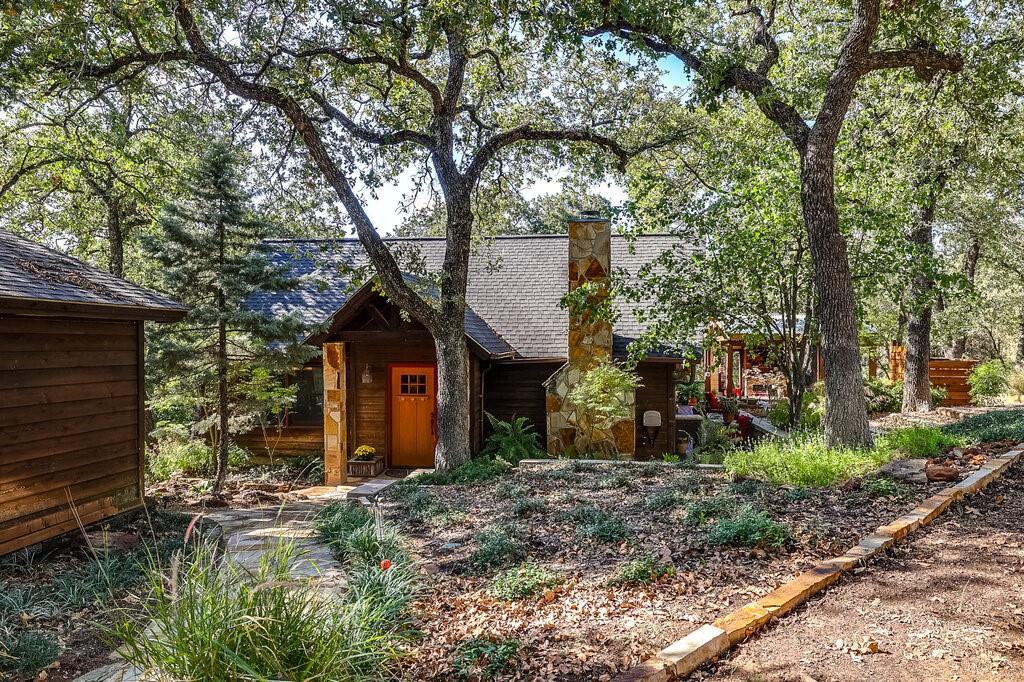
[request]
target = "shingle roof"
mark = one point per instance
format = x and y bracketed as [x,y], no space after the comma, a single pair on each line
[515,285]
[34,274]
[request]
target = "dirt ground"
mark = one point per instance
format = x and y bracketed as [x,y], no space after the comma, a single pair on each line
[949,605]
[587,629]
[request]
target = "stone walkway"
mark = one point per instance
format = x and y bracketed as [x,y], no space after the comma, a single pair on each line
[247,535]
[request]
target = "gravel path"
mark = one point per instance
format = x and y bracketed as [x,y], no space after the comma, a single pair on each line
[949,605]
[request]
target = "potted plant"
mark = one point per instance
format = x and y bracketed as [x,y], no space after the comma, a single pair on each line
[730,408]
[365,462]
[690,393]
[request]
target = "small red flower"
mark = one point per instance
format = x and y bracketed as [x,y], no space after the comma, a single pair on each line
[385,565]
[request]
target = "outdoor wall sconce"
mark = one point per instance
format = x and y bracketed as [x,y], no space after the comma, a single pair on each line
[652,424]
[367,375]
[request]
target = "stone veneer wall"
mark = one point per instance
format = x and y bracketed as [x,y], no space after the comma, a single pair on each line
[590,342]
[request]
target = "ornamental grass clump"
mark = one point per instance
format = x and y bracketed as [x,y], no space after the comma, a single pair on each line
[805,461]
[209,618]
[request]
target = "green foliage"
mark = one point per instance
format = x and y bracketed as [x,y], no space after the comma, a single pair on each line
[985,428]
[874,486]
[670,458]
[642,572]
[528,506]
[598,524]
[917,441]
[481,658]
[714,438]
[883,395]
[496,547]
[745,487]
[664,500]
[690,390]
[805,460]
[28,653]
[988,381]
[513,441]
[700,512]
[476,470]
[797,494]
[336,523]
[748,528]
[507,490]
[614,481]
[220,622]
[526,580]
[190,457]
[601,398]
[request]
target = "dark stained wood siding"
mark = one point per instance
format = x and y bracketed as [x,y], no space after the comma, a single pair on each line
[288,441]
[516,390]
[70,427]
[657,393]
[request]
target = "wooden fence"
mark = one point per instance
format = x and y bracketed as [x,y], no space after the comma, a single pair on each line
[952,375]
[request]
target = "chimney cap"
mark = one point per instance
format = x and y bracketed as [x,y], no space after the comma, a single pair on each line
[589,215]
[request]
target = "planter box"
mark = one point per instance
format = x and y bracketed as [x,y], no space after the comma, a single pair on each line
[366,469]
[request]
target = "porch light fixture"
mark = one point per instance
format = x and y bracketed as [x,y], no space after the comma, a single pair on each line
[367,375]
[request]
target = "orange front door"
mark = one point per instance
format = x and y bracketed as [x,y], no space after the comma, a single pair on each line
[413,397]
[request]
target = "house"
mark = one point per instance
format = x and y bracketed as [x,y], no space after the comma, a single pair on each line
[72,426]
[375,382]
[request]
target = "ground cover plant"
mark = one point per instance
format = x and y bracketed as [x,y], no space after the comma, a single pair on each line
[58,599]
[993,426]
[596,578]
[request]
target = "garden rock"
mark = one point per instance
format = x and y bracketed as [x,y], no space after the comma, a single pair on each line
[906,470]
[939,472]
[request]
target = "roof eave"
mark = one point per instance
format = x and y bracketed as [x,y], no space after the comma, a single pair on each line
[57,308]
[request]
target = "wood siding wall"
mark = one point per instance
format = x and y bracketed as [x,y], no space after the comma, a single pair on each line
[70,424]
[657,393]
[516,390]
[289,441]
[367,403]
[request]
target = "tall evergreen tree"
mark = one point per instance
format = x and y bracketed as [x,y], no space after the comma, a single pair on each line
[213,256]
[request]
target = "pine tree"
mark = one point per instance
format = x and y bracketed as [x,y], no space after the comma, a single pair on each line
[211,248]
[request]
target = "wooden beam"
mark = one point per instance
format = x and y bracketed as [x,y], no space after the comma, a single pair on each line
[335,415]
[416,335]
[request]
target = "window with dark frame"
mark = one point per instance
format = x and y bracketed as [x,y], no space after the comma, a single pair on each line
[308,409]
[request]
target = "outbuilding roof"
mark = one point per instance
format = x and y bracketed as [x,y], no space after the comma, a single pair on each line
[515,285]
[39,280]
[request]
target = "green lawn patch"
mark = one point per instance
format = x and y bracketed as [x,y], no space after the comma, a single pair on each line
[985,428]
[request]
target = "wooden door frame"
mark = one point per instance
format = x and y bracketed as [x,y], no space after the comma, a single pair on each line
[389,433]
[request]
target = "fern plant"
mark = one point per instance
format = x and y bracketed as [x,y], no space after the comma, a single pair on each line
[512,441]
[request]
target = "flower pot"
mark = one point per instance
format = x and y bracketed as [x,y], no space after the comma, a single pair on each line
[692,402]
[367,468]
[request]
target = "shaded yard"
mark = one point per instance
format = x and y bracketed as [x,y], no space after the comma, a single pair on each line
[946,606]
[576,571]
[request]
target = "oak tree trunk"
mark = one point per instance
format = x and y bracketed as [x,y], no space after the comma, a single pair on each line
[970,271]
[846,421]
[916,382]
[115,240]
[222,376]
[452,419]
[1020,339]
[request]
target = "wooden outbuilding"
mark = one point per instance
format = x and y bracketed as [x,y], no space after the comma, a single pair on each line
[72,398]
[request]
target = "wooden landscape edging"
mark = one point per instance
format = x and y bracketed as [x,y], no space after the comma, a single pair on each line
[710,641]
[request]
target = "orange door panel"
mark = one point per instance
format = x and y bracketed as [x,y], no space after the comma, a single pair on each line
[413,397]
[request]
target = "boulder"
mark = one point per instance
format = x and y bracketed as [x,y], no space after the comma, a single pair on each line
[906,470]
[939,472]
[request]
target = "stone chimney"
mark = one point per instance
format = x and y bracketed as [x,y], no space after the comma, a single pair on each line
[589,343]
[590,262]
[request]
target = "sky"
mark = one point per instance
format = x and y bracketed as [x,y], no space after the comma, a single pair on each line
[383,210]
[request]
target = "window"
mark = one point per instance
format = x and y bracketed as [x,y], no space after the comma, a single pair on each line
[413,384]
[308,409]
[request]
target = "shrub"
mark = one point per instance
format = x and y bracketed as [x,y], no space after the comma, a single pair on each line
[27,653]
[527,506]
[713,439]
[670,458]
[190,457]
[988,381]
[642,572]
[477,470]
[495,547]
[805,460]
[700,512]
[513,441]
[778,414]
[663,500]
[220,622]
[883,395]
[525,580]
[597,524]
[748,528]
[917,441]
[985,428]
[482,658]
